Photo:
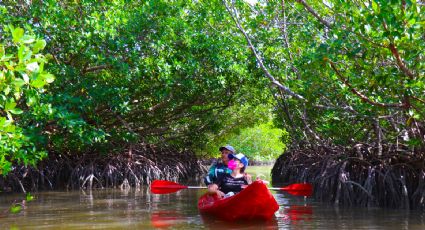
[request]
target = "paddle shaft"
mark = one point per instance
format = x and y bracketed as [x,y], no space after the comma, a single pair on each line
[196,187]
[165,187]
[199,187]
[298,192]
[202,187]
[282,189]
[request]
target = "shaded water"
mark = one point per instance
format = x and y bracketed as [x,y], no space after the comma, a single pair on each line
[116,209]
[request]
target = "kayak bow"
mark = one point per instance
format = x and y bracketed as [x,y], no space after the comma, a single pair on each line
[253,202]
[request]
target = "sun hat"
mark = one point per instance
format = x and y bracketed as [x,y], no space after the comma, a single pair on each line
[240,157]
[228,147]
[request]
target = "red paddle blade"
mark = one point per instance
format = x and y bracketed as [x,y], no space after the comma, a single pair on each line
[300,193]
[303,189]
[165,187]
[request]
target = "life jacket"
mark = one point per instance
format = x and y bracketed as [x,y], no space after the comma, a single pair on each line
[217,170]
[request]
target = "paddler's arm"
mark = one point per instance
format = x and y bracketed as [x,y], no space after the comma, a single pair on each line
[214,187]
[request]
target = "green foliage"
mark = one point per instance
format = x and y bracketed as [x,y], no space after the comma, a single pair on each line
[360,67]
[29,197]
[180,73]
[250,130]
[22,82]
[261,143]
[155,72]
[15,208]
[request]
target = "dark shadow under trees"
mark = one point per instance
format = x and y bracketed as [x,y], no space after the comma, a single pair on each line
[137,167]
[356,177]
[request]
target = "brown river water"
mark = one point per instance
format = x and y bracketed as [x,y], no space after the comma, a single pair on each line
[139,209]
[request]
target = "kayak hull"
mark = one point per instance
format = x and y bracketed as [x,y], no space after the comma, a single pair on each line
[253,203]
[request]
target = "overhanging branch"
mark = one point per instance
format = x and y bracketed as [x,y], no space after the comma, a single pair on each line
[362,96]
[275,82]
[314,13]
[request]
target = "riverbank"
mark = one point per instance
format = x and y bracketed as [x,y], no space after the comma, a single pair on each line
[357,178]
[340,177]
[138,166]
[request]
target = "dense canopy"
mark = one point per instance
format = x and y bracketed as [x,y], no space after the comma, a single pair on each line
[99,76]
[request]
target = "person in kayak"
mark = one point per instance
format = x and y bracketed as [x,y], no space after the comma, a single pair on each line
[230,184]
[218,169]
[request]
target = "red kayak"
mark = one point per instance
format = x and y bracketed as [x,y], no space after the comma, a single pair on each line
[253,202]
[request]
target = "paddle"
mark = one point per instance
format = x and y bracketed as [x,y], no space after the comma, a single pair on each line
[302,189]
[165,187]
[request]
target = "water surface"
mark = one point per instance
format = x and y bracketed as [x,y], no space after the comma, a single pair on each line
[139,209]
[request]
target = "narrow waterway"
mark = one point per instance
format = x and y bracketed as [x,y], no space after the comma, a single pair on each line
[132,209]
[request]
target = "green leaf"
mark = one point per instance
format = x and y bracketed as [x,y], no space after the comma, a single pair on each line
[8,124]
[375,7]
[7,90]
[18,82]
[6,57]
[17,34]
[2,121]
[27,39]
[48,77]
[31,100]
[41,67]
[9,105]
[2,51]
[39,45]
[15,208]
[5,165]
[29,197]
[21,53]
[38,83]
[412,21]
[16,111]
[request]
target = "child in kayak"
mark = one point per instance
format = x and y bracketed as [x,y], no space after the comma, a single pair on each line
[230,184]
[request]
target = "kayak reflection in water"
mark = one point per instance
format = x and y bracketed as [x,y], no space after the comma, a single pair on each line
[167,219]
[295,214]
[230,184]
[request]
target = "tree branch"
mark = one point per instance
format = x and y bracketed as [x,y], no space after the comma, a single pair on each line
[234,16]
[162,103]
[284,108]
[419,99]
[315,14]
[94,68]
[362,96]
[307,126]
[286,40]
[400,62]
[396,54]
